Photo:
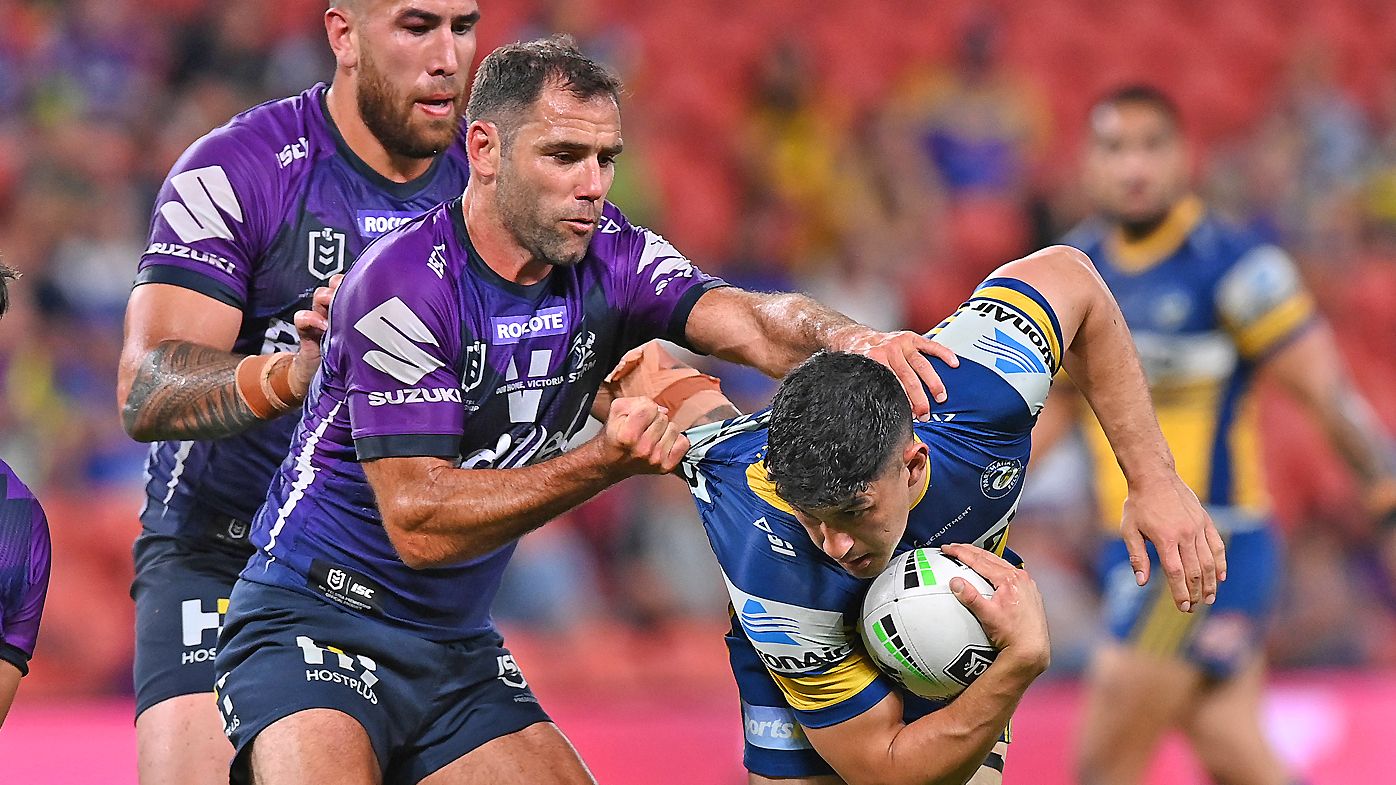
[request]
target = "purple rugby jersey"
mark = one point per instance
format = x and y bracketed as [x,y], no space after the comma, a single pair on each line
[24,568]
[431,353]
[256,214]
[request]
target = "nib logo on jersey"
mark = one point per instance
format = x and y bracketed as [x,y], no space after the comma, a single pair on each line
[339,667]
[197,623]
[791,639]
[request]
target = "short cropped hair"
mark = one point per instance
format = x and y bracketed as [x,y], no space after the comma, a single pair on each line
[836,422]
[7,274]
[512,77]
[1141,94]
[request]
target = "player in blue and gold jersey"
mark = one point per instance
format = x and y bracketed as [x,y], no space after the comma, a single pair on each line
[1211,308]
[805,502]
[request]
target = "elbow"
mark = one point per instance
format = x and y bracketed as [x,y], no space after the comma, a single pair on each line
[414,547]
[132,424]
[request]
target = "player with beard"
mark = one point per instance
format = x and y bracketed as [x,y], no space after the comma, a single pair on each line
[251,220]
[466,350]
[1212,309]
[24,564]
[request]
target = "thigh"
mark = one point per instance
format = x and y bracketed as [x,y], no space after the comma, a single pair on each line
[314,745]
[481,712]
[1132,698]
[536,755]
[1224,727]
[282,654]
[181,595]
[180,741]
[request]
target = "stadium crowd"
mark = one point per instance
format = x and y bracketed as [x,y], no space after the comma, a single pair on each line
[843,156]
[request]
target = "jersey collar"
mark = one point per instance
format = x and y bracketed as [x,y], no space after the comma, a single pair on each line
[1136,256]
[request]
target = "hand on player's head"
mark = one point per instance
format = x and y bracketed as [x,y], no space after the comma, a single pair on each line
[1014,618]
[640,439]
[905,353]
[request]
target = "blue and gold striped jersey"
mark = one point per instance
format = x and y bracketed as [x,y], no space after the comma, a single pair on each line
[1207,303]
[797,607]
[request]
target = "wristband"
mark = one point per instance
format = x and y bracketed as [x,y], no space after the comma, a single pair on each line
[264,383]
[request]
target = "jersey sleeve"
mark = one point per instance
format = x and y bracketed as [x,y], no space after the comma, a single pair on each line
[20,613]
[796,610]
[655,286]
[400,362]
[1010,330]
[214,217]
[1262,301]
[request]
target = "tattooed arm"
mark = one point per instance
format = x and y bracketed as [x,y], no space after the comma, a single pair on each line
[178,375]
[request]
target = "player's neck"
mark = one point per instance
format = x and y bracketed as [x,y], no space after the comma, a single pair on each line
[496,244]
[344,113]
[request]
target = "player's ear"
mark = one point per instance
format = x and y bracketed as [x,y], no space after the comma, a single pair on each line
[918,462]
[485,148]
[339,30]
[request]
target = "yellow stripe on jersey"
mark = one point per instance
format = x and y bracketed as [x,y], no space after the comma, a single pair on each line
[1188,417]
[761,484]
[1136,256]
[1034,311]
[821,691]
[1277,324]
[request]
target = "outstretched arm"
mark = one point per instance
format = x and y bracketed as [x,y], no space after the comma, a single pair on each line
[775,332]
[1101,360]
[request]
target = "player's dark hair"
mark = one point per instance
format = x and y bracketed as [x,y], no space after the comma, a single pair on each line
[1143,94]
[836,421]
[512,77]
[7,274]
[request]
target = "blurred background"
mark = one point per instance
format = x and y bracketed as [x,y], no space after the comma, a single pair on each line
[883,155]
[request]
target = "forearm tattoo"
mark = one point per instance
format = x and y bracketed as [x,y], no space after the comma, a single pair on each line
[186,391]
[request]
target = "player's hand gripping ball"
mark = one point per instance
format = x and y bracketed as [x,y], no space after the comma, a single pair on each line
[918,632]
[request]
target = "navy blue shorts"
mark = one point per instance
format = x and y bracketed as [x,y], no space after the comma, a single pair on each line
[181,592]
[1218,638]
[423,703]
[774,743]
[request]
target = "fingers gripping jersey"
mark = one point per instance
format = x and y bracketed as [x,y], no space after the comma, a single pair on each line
[431,353]
[256,214]
[797,607]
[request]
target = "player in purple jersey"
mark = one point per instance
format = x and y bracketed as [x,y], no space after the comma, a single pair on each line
[24,565]
[466,350]
[251,220]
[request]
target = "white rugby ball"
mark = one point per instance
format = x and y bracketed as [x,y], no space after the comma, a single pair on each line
[916,630]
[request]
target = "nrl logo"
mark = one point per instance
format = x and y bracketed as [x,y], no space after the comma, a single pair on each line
[326,253]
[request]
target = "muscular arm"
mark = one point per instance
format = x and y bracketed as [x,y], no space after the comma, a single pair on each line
[1101,359]
[1311,370]
[176,379]
[178,375]
[775,332]
[436,514]
[9,683]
